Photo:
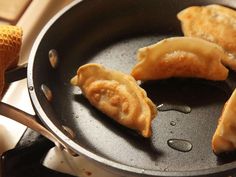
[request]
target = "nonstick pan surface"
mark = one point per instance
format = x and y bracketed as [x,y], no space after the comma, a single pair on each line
[109,32]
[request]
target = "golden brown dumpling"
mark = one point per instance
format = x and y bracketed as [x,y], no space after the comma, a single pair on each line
[117,95]
[214,23]
[180,57]
[224,138]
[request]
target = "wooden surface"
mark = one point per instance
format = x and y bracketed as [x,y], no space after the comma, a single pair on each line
[11,10]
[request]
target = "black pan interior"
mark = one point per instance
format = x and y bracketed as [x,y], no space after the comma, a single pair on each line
[110,32]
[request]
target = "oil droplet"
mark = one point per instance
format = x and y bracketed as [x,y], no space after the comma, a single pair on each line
[172,123]
[168,107]
[69,131]
[47,92]
[53,58]
[180,145]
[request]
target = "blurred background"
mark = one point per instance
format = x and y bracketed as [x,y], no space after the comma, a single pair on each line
[31,15]
[23,152]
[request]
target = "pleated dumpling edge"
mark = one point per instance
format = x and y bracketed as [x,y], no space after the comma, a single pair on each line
[117,95]
[181,57]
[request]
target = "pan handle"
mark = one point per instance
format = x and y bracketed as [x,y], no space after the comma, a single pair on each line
[30,121]
[16,74]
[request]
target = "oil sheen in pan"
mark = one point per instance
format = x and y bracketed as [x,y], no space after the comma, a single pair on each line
[180,145]
[177,144]
[180,108]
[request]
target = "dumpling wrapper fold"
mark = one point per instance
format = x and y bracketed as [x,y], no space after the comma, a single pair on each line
[117,95]
[181,57]
[224,138]
[214,23]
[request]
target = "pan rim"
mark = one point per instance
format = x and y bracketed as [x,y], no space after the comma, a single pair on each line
[225,168]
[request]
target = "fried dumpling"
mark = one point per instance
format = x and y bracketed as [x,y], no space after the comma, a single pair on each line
[180,57]
[214,23]
[224,138]
[117,95]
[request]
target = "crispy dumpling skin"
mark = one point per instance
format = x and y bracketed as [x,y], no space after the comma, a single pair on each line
[180,57]
[224,138]
[214,23]
[117,95]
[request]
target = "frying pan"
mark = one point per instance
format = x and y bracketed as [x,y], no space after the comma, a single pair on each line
[109,32]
